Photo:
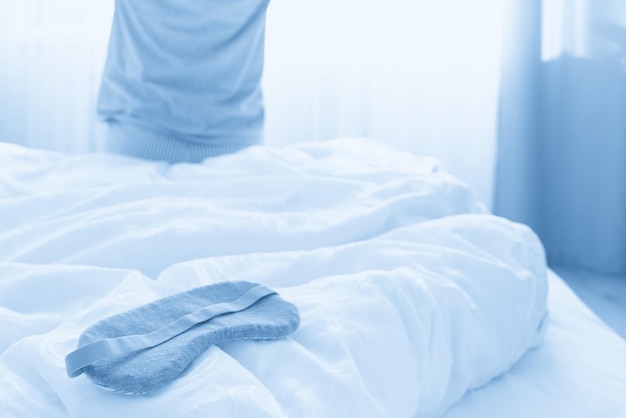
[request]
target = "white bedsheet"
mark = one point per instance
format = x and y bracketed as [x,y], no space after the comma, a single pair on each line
[409,293]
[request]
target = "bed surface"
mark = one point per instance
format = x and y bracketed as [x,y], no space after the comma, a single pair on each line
[82,236]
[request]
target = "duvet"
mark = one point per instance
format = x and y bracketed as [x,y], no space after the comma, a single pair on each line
[410,293]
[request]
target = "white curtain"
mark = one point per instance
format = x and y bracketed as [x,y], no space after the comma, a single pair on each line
[420,75]
[562,142]
[52,53]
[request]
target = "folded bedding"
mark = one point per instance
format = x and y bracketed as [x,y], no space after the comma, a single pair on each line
[578,371]
[409,293]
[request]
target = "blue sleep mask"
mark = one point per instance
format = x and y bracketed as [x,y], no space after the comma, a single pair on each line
[144,349]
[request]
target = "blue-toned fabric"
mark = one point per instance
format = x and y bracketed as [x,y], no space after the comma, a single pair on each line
[185,71]
[144,349]
[121,346]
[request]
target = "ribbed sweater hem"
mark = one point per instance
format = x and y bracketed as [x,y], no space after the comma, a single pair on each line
[136,141]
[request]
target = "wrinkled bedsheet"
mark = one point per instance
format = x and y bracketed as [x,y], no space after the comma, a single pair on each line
[410,294]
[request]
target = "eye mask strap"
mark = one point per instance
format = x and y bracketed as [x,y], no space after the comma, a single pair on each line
[121,346]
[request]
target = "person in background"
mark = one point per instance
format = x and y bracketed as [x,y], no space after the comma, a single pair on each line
[182,80]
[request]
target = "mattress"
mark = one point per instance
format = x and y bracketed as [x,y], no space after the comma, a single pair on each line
[414,300]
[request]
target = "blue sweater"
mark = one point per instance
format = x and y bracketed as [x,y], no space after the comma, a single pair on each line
[183,73]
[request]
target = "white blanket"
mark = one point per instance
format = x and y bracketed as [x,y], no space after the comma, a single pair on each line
[409,293]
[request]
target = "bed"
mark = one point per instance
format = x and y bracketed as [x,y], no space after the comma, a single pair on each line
[414,300]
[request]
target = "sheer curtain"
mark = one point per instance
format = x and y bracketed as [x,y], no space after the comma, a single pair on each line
[562,139]
[420,75]
[52,57]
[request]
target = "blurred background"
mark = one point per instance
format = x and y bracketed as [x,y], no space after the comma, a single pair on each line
[525,100]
